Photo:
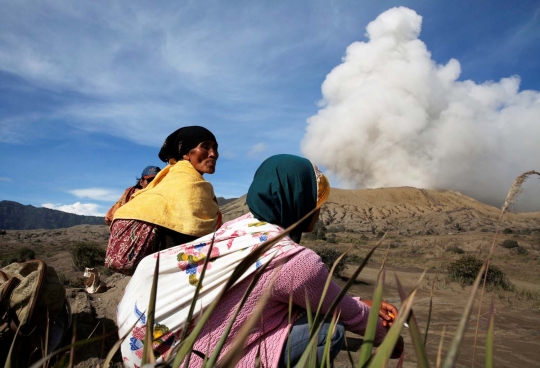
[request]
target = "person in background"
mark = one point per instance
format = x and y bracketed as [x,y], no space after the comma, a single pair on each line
[148,174]
[178,206]
[284,190]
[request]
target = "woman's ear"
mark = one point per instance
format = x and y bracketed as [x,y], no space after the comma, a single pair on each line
[185,157]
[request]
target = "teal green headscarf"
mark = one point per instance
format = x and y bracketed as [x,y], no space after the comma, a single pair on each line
[283,191]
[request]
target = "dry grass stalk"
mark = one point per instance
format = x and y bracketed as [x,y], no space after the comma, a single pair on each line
[514,191]
[439,351]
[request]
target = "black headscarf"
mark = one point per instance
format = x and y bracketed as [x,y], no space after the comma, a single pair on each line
[184,140]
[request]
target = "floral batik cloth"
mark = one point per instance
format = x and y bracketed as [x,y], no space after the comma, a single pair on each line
[179,271]
[129,243]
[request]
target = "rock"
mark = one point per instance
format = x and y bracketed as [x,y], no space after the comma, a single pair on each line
[95,315]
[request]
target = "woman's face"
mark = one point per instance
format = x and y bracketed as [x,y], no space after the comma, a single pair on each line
[144,182]
[204,157]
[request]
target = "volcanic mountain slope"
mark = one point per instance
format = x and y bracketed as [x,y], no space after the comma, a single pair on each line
[407,210]
[418,214]
[16,216]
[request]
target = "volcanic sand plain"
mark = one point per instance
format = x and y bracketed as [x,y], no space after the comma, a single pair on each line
[420,225]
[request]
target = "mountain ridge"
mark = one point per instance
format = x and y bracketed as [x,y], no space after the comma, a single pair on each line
[16,216]
[406,209]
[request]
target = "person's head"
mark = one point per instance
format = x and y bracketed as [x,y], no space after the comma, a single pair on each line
[148,174]
[285,188]
[194,144]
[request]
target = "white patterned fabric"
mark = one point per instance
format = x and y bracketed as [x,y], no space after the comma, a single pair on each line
[179,271]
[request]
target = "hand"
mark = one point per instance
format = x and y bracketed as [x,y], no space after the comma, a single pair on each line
[388,313]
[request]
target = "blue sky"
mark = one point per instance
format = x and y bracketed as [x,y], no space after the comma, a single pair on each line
[89,90]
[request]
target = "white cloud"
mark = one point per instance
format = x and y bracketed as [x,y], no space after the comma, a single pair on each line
[257,148]
[98,194]
[3,178]
[12,129]
[390,116]
[166,63]
[86,209]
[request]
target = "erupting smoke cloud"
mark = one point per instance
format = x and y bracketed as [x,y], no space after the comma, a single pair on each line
[391,116]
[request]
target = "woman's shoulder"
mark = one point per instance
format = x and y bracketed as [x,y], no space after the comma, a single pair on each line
[300,257]
[301,266]
[306,256]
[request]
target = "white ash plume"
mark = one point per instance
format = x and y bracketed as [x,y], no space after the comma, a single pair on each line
[391,116]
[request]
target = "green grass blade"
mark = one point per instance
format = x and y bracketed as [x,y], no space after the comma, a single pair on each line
[439,351]
[384,351]
[383,264]
[489,337]
[290,324]
[488,260]
[117,344]
[312,327]
[94,330]
[196,295]
[46,347]
[344,289]
[103,331]
[233,356]
[453,352]
[148,351]
[258,358]
[325,359]
[416,337]
[329,280]
[219,346]
[429,312]
[351,281]
[73,341]
[349,353]
[308,352]
[7,364]
[186,345]
[261,249]
[309,312]
[373,320]
[72,347]
[198,288]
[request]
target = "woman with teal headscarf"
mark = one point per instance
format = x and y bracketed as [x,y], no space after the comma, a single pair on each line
[284,190]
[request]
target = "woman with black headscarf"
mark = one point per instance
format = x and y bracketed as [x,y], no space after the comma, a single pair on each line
[178,206]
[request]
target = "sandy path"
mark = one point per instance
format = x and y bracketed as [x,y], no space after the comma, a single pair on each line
[517,329]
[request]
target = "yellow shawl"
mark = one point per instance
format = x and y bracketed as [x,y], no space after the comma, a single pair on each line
[178,198]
